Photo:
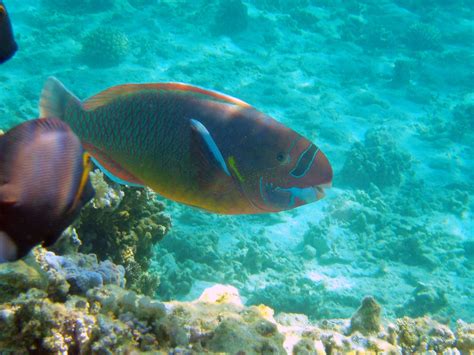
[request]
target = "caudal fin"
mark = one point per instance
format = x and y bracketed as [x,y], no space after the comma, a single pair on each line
[55,98]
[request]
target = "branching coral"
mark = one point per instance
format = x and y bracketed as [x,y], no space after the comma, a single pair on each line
[123,224]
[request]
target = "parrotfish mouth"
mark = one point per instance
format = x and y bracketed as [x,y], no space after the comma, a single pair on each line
[320,190]
[277,198]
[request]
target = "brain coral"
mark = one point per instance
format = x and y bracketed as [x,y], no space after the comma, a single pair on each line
[378,160]
[104,47]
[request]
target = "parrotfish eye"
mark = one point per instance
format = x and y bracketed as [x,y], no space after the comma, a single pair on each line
[282,157]
[2,11]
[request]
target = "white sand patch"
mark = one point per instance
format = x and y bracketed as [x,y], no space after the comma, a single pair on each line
[331,283]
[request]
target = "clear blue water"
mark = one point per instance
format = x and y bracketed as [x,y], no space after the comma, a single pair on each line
[385,88]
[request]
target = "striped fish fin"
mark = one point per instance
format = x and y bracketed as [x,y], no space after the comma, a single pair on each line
[113,170]
[114,92]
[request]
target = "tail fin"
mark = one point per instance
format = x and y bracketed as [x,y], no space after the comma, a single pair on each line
[55,98]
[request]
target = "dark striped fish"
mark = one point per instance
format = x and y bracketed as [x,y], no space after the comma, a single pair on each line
[44,182]
[8,46]
[195,146]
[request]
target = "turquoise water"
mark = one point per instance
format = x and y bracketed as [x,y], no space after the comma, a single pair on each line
[385,88]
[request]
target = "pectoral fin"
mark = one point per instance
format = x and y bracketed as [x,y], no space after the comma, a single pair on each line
[211,164]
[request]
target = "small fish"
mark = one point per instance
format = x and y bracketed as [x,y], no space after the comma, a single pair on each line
[8,46]
[44,183]
[195,146]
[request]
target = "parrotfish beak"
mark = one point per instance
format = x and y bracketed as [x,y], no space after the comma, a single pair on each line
[321,174]
[307,183]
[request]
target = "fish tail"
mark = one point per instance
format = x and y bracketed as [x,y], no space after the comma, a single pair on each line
[55,98]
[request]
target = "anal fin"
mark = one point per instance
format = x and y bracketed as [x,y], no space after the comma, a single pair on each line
[113,170]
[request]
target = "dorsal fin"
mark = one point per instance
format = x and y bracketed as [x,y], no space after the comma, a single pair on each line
[114,92]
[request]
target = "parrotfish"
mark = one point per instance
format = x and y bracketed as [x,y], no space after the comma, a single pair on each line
[8,46]
[44,183]
[195,146]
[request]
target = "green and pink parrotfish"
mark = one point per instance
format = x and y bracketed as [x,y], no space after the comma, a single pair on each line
[195,146]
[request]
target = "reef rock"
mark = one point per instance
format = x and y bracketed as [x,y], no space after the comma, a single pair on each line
[367,318]
[19,276]
[110,319]
[221,294]
[123,224]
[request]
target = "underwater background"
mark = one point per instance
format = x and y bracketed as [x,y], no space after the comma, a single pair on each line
[385,88]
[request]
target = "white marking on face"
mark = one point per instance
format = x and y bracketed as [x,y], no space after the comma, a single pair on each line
[306,194]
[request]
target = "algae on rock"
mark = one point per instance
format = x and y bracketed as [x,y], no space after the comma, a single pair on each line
[19,276]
